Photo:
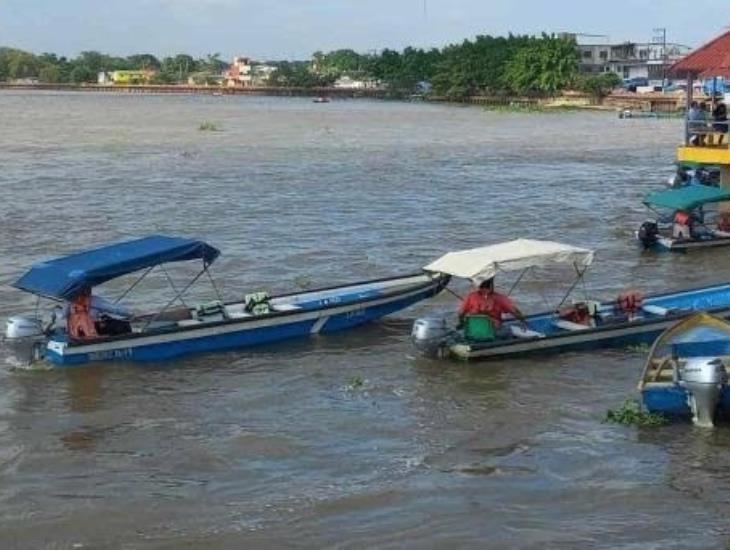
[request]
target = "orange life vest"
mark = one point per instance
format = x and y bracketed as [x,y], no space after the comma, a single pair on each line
[629,301]
[80,323]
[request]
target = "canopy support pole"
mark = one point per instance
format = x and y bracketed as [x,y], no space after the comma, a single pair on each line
[172,284]
[212,282]
[575,284]
[447,289]
[168,304]
[514,285]
[134,284]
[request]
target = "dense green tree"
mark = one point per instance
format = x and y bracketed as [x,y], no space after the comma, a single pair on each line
[143,61]
[298,74]
[545,66]
[82,73]
[177,68]
[598,85]
[50,74]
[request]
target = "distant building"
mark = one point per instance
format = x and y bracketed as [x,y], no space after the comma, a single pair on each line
[103,77]
[261,73]
[647,60]
[347,82]
[239,74]
[630,60]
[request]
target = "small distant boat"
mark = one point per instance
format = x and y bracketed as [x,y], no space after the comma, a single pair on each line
[321,99]
[172,332]
[684,225]
[686,375]
[582,324]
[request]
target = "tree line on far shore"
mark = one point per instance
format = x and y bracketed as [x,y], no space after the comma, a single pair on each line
[526,65]
[53,69]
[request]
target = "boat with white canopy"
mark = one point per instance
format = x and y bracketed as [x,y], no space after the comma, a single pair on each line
[583,323]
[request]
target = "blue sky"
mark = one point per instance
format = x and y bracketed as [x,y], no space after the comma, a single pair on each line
[277,29]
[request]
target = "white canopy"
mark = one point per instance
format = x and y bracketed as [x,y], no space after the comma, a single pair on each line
[481,264]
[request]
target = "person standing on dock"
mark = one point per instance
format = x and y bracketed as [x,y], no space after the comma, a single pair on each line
[697,118]
[719,117]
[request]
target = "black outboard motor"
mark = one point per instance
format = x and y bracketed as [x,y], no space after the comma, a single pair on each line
[648,233]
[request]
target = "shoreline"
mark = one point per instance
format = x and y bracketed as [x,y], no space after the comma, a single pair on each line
[650,102]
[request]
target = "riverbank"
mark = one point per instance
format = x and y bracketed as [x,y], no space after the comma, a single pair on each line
[651,102]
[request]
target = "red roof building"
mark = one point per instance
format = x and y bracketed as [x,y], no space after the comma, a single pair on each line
[710,60]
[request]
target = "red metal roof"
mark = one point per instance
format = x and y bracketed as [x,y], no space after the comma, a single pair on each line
[712,59]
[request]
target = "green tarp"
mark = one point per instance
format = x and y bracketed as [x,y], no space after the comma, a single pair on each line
[687,198]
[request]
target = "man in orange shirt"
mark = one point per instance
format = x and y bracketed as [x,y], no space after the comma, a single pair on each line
[486,301]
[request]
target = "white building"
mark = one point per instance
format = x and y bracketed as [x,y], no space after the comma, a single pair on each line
[239,74]
[629,60]
[261,73]
[349,83]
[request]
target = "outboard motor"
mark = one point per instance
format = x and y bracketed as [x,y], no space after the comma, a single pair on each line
[648,233]
[23,334]
[431,336]
[704,379]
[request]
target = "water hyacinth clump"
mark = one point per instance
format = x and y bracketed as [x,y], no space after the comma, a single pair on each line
[207,126]
[631,414]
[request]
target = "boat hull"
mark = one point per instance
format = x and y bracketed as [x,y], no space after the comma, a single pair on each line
[672,401]
[336,313]
[643,329]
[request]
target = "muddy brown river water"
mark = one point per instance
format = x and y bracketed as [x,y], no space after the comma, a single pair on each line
[347,440]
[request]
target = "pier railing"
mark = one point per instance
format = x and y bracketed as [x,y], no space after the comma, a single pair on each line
[700,133]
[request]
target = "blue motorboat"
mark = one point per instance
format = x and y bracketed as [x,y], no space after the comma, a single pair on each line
[682,222]
[685,374]
[581,324]
[170,332]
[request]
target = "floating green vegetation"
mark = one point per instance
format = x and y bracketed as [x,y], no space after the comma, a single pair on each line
[639,348]
[207,126]
[631,414]
[354,383]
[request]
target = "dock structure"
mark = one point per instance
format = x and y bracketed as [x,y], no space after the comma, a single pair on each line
[705,143]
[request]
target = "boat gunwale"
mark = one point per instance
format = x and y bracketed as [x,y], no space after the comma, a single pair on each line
[597,330]
[439,282]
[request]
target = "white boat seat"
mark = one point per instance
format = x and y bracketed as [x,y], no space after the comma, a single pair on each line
[519,332]
[655,310]
[721,234]
[238,315]
[569,325]
[285,307]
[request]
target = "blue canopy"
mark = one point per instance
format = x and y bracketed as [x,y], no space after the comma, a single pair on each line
[65,277]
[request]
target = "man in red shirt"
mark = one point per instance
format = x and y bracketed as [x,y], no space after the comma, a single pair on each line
[485,301]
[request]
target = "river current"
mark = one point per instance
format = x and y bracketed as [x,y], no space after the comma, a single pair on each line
[345,440]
